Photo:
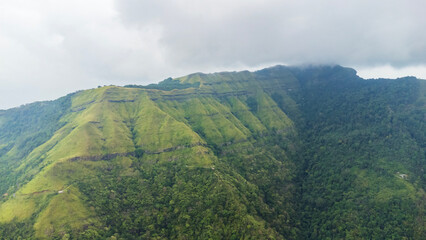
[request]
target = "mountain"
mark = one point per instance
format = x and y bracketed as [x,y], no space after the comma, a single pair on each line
[280,153]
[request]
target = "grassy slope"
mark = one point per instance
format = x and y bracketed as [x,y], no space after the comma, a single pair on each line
[229,142]
[112,120]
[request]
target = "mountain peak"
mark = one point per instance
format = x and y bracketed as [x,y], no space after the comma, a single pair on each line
[279,153]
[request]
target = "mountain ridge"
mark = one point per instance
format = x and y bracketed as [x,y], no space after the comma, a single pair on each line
[234,151]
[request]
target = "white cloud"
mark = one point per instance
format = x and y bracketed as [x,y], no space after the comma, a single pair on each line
[387,71]
[51,47]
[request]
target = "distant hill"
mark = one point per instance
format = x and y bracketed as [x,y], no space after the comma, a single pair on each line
[280,153]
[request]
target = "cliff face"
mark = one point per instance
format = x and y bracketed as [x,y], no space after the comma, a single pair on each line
[226,155]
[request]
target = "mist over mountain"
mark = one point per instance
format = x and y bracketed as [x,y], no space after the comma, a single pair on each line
[311,152]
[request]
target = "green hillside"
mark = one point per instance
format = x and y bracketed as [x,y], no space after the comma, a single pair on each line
[281,153]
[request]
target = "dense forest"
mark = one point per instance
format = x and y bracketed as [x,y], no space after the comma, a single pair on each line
[280,153]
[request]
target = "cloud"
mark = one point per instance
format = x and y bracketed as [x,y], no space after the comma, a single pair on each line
[50,48]
[345,32]
[387,71]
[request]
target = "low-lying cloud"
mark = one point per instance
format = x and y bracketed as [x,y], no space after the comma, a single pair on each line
[49,48]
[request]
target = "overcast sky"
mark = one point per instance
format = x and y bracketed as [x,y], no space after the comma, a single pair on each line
[49,48]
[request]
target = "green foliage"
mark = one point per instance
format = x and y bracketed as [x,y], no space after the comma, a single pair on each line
[252,104]
[358,139]
[16,230]
[170,201]
[22,130]
[167,85]
[281,153]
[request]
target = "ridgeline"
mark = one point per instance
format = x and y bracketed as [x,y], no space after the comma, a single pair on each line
[280,153]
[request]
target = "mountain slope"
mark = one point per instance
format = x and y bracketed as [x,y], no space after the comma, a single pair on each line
[281,153]
[365,150]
